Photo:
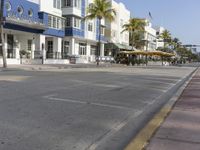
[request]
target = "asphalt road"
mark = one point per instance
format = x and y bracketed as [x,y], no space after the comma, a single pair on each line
[81,109]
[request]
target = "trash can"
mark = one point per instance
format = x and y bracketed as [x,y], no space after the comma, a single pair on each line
[72,60]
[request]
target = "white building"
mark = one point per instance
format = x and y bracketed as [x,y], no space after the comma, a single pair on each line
[149,37]
[159,41]
[51,30]
[81,37]
[115,37]
[34,26]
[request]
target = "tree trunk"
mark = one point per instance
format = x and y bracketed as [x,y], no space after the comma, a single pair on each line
[3,46]
[99,47]
[2,35]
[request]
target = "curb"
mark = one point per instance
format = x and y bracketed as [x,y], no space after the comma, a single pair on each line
[143,137]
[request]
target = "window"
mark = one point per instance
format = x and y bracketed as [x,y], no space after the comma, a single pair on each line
[82,49]
[10,46]
[57,4]
[75,3]
[63,24]
[90,26]
[58,23]
[8,6]
[54,22]
[67,3]
[20,10]
[50,49]
[65,49]
[76,23]
[93,49]
[68,21]
[29,48]
[30,13]
[54,3]
[49,21]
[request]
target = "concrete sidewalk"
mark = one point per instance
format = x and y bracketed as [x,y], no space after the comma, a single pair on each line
[58,66]
[181,129]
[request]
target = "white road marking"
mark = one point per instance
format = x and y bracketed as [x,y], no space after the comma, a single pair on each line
[13,78]
[52,97]
[96,84]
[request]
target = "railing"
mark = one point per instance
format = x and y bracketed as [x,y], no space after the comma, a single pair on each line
[53,55]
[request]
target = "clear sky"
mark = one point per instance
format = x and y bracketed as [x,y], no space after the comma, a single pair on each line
[180,17]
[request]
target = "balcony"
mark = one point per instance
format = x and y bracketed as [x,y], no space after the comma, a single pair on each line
[27,21]
[74,11]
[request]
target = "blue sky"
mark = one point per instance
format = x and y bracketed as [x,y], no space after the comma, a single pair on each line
[180,17]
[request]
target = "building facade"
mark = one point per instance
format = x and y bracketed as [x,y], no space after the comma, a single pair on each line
[159,41]
[116,39]
[34,27]
[50,31]
[149,37]
[81,36]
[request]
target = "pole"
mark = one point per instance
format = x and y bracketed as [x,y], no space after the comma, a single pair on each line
[2,35]
[99,47]
[146,52]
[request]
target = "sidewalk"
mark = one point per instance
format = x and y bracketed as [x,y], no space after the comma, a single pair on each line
[58,66]
[181,129]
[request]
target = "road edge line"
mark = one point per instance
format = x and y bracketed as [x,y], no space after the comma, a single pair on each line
[143,137]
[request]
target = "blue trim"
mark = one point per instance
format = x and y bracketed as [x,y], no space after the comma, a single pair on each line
[103,38]
[40,17]
[26,5]
[54,32]
[83,9]
[22,28]
[74,32]
[50,31]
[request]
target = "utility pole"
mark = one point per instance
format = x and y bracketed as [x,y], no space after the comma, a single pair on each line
[2,21]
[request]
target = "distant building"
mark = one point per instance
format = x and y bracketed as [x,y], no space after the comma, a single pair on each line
[193,48]
[159,41]
[149,37]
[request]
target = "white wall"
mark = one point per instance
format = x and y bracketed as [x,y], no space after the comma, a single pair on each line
[159,42]
[34,1]
[47,6]
[116,27]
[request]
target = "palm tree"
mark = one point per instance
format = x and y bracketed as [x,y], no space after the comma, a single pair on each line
[138,40]
[166,36]
[2,36]
[135,27]
[176,43]
[100,9]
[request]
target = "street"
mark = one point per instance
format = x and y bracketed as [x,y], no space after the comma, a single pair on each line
[81,108]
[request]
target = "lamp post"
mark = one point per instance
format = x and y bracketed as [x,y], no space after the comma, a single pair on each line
[2,22]
[146,52]
[146,42]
